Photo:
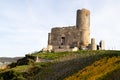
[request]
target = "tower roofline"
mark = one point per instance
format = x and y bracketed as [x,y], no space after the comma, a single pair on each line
[83,10]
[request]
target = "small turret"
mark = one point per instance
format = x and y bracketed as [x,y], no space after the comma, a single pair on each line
[93,44]
[102,45]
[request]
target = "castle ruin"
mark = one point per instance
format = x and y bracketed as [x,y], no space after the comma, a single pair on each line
[73,38]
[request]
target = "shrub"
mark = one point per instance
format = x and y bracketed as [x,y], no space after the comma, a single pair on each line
[12,75]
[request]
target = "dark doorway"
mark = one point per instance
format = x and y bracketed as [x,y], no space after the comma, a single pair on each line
[62,40]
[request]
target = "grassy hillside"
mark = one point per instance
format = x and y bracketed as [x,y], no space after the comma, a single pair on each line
[103,69]
[65,65]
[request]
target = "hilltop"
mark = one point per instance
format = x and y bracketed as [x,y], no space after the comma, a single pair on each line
[9,59]
[79,65]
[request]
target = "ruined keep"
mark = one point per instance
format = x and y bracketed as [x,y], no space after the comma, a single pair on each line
[73,37]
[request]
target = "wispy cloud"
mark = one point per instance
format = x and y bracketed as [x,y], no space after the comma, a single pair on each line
[24,24]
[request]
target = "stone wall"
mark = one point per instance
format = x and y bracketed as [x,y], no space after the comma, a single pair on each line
[64,38]
[67,38]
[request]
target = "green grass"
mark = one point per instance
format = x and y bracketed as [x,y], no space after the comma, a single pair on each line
[23,68]
[81,53]
[24,71]
[47,55]
[67,67]
[64,64]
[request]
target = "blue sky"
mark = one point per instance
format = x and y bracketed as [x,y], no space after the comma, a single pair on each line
[24,24]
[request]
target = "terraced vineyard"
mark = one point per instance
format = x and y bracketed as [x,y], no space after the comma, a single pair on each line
[80,65]
[103,69]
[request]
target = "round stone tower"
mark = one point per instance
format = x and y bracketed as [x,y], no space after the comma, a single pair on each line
[93,45]
[83,25]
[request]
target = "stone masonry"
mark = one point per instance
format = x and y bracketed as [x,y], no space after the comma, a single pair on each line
[68,38]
